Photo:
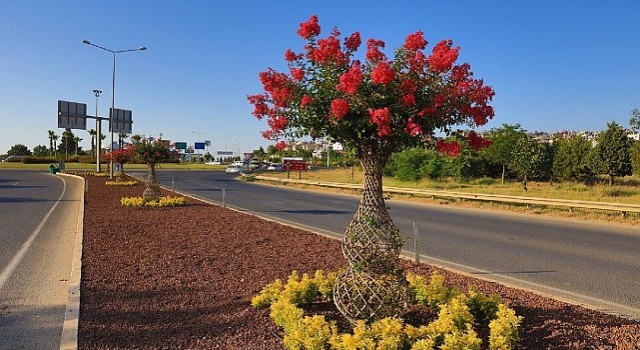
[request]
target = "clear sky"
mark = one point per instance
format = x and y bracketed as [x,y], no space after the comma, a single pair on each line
[554,65]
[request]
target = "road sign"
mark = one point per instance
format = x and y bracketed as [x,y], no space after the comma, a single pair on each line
[72,115]
[181,145]
[199,145]
[121,121]
[294,164]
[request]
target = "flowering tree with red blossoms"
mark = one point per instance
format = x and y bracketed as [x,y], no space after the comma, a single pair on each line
[375,107]
[122,156]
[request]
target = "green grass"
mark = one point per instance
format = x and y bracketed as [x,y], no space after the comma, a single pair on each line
[626,191]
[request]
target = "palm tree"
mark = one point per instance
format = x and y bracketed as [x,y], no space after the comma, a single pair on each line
[121,137]
[93,134]
[52,134]
[77,140]
[55,142]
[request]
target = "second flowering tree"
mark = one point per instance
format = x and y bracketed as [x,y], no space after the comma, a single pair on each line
[374,105]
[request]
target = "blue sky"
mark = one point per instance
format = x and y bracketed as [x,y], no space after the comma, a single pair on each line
[554,64]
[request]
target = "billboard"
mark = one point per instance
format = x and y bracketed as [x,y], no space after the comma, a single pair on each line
[199,145]
[72,115]
[121,120]
[181,145]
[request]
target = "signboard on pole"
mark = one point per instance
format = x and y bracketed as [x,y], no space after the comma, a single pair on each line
[72,115]
[199,145]
[181,145]
[294,164]
[121,120]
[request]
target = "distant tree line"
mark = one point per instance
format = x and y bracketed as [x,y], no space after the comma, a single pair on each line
[513,154]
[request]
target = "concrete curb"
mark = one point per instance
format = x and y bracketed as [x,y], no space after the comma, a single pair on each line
[69,340]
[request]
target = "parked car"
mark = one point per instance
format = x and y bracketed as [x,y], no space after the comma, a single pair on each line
[276,167]
[234,170]
[212,163]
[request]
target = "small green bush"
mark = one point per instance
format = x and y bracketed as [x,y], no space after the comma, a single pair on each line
[484,181]
[162,202]
[121,183]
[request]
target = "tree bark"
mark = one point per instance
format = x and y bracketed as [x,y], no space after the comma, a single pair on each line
[373,286]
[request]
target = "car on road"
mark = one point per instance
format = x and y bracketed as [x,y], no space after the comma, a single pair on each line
[234,170]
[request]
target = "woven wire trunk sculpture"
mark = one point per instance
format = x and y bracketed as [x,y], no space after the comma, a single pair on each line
[152,186]
[373,285]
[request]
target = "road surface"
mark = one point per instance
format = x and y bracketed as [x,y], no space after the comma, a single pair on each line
[39,216]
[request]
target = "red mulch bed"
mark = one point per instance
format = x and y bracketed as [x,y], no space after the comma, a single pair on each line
[183,278]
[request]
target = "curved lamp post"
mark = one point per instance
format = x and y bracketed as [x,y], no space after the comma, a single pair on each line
[113,92]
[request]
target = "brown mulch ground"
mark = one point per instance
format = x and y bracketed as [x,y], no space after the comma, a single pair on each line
[182,278]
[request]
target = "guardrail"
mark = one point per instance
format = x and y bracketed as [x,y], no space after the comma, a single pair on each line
[623,208]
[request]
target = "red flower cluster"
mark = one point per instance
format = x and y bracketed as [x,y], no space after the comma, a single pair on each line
[413,128]
[476,141]
[291,56]
[121,155]
[297,74]
[382,73]
[415,41]
[373,52]
[260,106]
[278,85]
[443,56]
[328,50]
[339,108]
[382,120]
[277,122]
[448,148]
[351,80]
[352,43]
[310,28]
[306,100]
[409,100]
[281,145]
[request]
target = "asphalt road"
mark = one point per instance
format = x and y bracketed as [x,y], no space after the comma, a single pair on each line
[594,264]
[38,222]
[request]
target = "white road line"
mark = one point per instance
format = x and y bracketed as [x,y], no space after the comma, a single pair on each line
[556,293]
[8,271]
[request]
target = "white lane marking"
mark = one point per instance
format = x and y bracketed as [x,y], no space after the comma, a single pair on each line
[8,271]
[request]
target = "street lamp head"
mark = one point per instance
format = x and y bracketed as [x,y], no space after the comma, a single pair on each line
[97,92]
[86,42]
[142,48]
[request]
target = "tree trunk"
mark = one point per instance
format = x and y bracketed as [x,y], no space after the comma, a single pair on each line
[152,186]
[373,285]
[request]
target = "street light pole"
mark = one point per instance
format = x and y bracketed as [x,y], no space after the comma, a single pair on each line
[113,93]
[97,93]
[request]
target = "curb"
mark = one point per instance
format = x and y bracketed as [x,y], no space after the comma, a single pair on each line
[69,340]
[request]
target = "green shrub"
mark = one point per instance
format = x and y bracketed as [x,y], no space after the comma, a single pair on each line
[36,160]
[451,330]
[504,329]
[430,294]
[121,183]
[485,181]
[162,202]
